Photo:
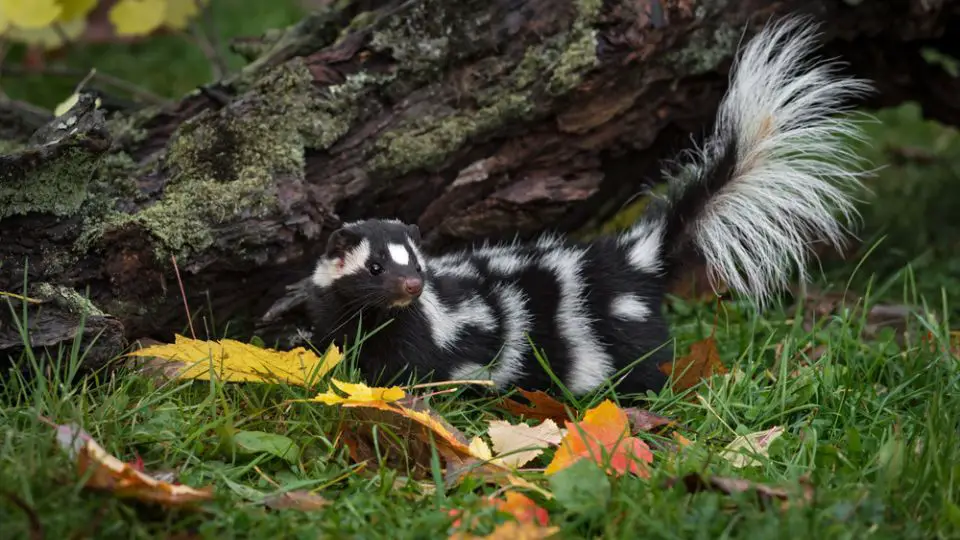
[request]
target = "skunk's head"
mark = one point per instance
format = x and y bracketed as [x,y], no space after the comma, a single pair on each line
[373,264]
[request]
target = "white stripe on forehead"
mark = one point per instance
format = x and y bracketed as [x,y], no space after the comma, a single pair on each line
[399,253]
[330,270]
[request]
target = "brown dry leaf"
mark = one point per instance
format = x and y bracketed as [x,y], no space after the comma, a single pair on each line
[741,450]
[703,362]
[296,500]
[119,478]
[402,432]
[695,483]
[235,361]
[516,445]
[542,406]
[644,420]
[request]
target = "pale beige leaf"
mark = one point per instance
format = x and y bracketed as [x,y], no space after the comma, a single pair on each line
[516,445]
[740,452]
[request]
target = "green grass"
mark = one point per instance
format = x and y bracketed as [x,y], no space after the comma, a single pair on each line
[874,424]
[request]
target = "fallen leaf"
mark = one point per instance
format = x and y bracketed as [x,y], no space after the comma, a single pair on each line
[358,393]
[702,363]
[522,508]
[542,406]
[602,436]
[531,520]
[296,500]
[518,444]
[681,440]
[401,432]
[261,442]
[234,361]
[644,420]
[111,474]
[695,483]
[511,530]
[739,450]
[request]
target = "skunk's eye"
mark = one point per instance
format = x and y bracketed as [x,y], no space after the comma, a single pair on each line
[419,269]
[375,268]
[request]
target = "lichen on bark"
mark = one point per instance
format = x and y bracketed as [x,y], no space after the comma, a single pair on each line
[553,68]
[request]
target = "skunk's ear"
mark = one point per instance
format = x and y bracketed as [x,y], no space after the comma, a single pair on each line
[414,232]
[341,241]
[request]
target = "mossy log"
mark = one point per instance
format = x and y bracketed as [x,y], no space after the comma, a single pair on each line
[472,118]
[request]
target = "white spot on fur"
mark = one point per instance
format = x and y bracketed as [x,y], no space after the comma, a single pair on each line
[446,324]
[793,168]
[590,364]
[630,307]
[399,253]
[644,253]
[330,270]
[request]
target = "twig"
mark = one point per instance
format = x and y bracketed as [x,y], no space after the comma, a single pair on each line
[183,294]
[209,44]
[481,382]
[104,78]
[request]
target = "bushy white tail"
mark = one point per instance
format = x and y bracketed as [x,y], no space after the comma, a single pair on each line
[776,172]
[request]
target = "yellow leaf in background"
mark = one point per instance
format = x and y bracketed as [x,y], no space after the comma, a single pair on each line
[179,12]
[48,37]
[72,9]
[30,13]
[4,22]
[359,393]
[234,361]
[137,17]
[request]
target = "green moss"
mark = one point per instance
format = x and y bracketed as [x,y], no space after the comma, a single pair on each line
[705,51]
[578,57]
[430,141]
[556,67]
[222,164]
[9,147]
[58,186]
[67,298]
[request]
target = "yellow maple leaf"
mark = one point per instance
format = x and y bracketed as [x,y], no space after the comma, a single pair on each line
[359,393]
[30,13]
[72,9]
[179,12]
[234,361]
[49,37]
[137,17]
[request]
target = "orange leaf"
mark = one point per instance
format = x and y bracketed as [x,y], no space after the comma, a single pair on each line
[523,508]
[110,474]
[604,437]
[542,406]
[703,362]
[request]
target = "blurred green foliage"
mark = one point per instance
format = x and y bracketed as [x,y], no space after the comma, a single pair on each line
[168,65]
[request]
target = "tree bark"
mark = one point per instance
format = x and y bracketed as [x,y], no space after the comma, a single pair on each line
[473,119]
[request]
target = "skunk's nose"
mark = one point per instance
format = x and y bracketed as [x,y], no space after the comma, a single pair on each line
[413,286]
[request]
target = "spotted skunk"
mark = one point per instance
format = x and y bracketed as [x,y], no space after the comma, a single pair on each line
[772,177]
